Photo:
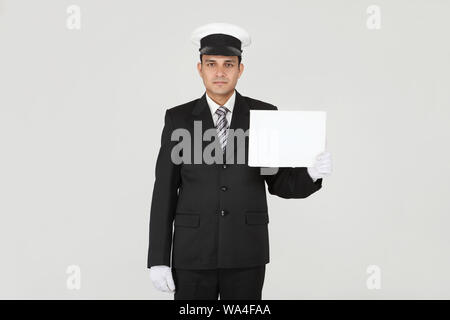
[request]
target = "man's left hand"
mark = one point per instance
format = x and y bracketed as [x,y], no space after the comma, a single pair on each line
[322,166]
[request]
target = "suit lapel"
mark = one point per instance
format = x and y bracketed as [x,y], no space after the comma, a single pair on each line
[240,115]
[239,120]
[201,112]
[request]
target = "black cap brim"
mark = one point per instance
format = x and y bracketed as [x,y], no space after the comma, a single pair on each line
[221,51]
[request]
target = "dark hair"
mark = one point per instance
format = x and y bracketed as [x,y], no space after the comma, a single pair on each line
[239,59]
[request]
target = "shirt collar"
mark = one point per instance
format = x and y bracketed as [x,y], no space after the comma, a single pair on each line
[229,104]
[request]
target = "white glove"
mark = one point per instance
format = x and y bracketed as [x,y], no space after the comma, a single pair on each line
[322,166]
[162,278]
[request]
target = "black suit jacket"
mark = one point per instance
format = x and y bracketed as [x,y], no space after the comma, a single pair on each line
[215,215]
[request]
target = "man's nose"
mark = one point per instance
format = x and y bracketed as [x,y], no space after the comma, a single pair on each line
[220,70]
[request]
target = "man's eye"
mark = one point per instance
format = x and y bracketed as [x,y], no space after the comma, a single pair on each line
[229,64]
[209,64]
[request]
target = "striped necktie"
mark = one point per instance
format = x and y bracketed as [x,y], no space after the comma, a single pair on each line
[222,126]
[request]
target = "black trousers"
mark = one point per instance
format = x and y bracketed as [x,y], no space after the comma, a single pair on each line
[228,284]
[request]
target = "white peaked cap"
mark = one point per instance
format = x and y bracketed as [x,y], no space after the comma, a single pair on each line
[221,27]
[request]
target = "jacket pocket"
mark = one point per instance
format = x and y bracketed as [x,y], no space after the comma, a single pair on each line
[256,217]
[187,220]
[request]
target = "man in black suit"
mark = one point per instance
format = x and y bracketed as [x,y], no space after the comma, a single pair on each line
[220,244]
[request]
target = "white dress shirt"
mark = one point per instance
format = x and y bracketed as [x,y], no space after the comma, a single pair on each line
[214,106]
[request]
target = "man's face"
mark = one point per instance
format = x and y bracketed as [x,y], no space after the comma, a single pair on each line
[220,73]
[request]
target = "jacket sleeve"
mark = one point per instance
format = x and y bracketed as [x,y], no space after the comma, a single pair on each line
[164,200]
[292,182]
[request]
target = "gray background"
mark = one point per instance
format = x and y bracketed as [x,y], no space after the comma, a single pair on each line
[81,114]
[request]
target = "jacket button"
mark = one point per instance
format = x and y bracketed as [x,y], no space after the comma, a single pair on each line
[223,188]
[224,166]
[222,212]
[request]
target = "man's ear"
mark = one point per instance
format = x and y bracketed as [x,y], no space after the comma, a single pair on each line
[241,69]
[199,68]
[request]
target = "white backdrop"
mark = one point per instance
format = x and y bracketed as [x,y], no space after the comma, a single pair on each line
[81,114]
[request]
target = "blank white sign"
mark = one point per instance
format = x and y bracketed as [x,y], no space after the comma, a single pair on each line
[286,138]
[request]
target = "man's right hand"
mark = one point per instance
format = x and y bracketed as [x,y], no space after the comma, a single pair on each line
[162,278]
